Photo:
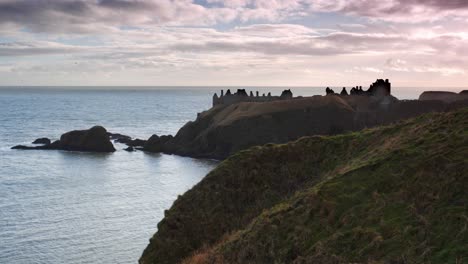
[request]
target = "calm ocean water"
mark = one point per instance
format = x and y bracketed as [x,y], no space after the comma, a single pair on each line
[67,207]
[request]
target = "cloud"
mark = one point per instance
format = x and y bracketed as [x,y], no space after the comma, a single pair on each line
[260,39]
[102,16]
[275,30]
[397,10]
[36,48]
[397,65]
[365,69]
[444,71]
[88,16]
[235,37]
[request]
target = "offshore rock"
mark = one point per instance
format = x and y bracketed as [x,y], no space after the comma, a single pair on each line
[94,139]
[156,143]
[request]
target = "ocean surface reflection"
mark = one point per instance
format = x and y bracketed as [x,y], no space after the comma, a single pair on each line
[65,207]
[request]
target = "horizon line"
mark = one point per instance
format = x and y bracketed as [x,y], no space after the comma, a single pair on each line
[212,86]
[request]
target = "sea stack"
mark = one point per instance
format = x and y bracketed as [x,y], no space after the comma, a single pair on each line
[95,139]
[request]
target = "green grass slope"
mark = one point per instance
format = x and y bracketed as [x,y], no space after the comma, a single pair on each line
[394,194]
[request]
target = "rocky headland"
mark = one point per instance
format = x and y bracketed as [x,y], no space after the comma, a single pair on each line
[227,128]
[390,194]
[238,121]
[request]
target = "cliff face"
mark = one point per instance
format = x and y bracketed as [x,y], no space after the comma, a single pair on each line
[224,130]
[394,194]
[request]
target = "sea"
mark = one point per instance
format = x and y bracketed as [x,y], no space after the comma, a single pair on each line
[75,207]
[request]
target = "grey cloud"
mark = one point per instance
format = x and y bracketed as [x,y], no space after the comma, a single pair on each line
[400,10]
[264,47]
[332,44]
[97,16]
[124,4]
[78,16]
[36,48]
[235,41]
[440,4]
[275,30]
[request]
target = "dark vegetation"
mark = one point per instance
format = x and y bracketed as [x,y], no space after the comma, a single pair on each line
[392,194]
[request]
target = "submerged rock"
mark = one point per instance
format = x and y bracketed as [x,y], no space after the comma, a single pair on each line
[127,140]
[119,137]
[25,147]
[130,149]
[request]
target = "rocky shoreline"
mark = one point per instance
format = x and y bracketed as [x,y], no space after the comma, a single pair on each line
[225,129]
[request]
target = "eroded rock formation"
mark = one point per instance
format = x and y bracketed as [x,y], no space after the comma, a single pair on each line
[94,139]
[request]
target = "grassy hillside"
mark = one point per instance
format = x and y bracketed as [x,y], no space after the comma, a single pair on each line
[394,194]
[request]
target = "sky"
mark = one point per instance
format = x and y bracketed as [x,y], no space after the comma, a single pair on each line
[414,43]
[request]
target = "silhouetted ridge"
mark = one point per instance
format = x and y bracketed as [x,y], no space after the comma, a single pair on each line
[392,194]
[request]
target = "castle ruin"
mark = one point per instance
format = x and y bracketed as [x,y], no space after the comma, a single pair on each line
[380,89]
[242,96]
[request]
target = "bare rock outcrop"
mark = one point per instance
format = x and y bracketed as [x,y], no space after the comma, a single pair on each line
[157,143]
[94,139]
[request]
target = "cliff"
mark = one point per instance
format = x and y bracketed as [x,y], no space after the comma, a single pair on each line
[226,129]
[391,194]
